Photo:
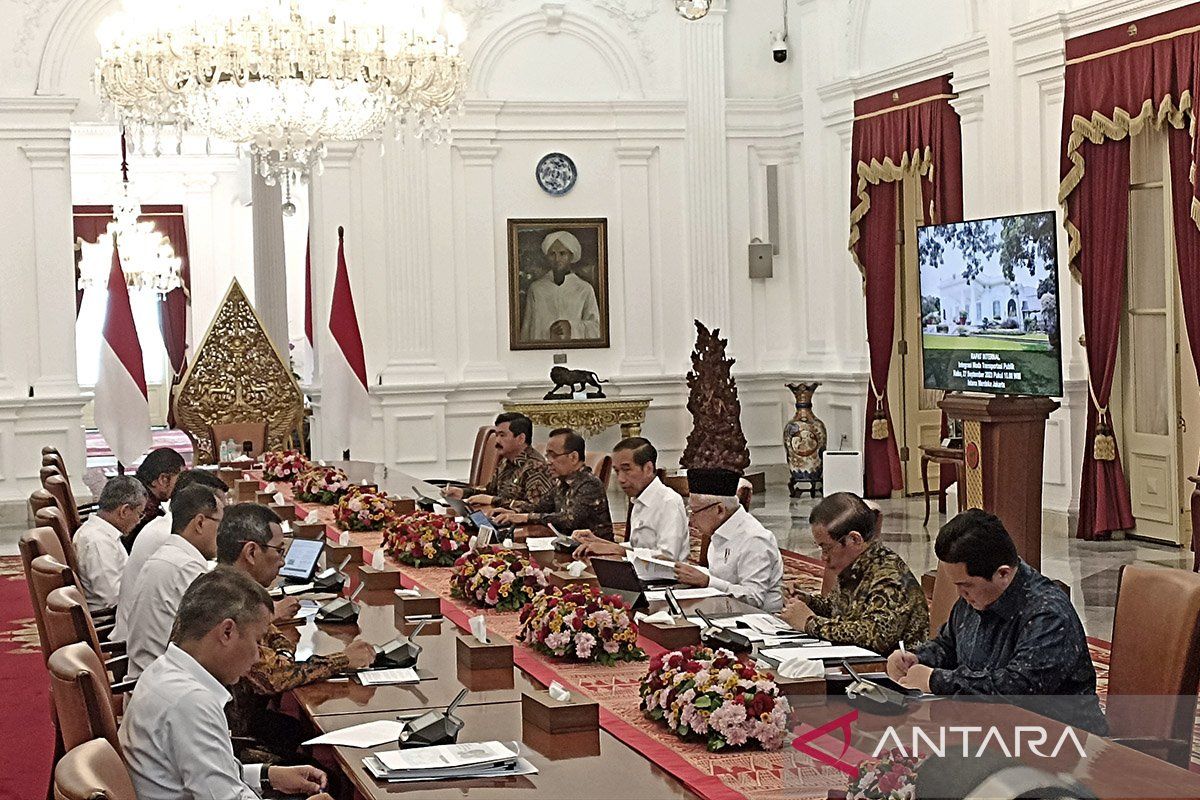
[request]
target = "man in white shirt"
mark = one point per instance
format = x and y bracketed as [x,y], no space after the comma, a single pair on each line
[174,735]
[168,573]
[743,556]
[98,546]
[658,521]
[154,535]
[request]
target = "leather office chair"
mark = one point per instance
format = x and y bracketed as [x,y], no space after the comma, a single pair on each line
[67,621]
[83,699]
[945,595]
[52,518]
[51,455]
[60,490]
[482,437]
[39,499]
[33,544]
[253,432]
[45,575]
[92,771]
[489,460]
[1154,670]
[600,464]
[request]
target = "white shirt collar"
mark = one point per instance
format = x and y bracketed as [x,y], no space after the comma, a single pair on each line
[103,526]
[651,493]
[175,540]
[731,526]
[180,659]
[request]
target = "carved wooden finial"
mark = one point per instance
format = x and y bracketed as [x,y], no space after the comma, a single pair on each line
[716,439]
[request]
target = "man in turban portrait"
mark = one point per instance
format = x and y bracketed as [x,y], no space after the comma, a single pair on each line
[560,305]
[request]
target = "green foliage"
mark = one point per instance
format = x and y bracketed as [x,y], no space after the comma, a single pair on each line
[1024,242]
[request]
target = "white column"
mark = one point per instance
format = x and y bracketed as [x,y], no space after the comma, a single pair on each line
[641,272]
[707,166]
[270,267]
[479,242]
[411,270]
[206,289]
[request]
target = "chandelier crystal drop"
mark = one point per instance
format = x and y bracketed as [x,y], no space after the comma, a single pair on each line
[692,9]
[282,77]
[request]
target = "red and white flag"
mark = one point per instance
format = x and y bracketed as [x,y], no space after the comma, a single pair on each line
[122,410]
[346,406]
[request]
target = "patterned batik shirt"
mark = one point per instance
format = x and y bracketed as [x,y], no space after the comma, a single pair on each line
[578,501]
[519,484]
[275,672]
[877,604]
[1029,642]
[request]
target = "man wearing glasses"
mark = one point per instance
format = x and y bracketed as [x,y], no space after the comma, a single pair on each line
[251,540]
[743,556]
[578,501]
[195,514]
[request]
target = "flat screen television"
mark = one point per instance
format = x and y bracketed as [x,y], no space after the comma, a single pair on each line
[989,305]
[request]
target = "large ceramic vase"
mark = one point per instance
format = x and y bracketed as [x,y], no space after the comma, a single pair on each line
[804,439]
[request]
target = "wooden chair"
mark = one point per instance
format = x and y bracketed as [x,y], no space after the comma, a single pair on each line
[601,466]
[488,460]
[60,490]
[39,499]
[34,544]
[67,621]
[1154,670]
[46,574]
[50,455]
[945,595]
[52,518]
[83,700]
[253,432]
[483,436]
[953,457]
[92,771]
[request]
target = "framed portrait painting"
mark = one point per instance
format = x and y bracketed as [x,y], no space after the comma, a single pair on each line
[557,283]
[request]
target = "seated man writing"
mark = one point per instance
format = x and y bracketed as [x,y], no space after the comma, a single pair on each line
[578,500]
[174,737]
[1011,633]
[522,478]
[877,601]
[743,556]
[658,519]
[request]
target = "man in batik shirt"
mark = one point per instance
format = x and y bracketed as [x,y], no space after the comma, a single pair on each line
[578,502]
[522,478]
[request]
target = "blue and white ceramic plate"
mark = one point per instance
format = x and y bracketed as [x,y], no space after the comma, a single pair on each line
[556,173]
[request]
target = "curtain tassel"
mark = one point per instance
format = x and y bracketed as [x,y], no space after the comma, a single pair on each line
[1104,448]
[879,425]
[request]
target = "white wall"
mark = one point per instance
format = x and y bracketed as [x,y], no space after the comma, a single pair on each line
[672,125]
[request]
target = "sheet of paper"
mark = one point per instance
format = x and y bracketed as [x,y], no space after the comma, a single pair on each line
[690,593]
[386,677]
[306,611]
[297,588]
[819,651]
[304,648]
[287,527]
[516,768]
[369,734]
[447,756]
[540,544]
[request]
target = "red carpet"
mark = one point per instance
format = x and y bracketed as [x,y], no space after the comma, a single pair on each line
[25,719]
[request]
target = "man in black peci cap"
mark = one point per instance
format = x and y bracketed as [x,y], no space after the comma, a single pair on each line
[743,556]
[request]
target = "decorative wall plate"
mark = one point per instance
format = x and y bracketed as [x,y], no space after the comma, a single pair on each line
[556,173]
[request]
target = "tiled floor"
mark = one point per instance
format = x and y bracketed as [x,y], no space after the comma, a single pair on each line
[1089,568]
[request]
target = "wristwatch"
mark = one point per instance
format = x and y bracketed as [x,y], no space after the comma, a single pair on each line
[264,781]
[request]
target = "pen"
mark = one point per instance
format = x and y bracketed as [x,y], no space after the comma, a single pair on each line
[902,650]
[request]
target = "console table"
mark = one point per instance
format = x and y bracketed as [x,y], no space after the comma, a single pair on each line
[589,417]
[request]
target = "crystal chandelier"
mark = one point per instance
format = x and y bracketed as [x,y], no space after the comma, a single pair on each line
[147,259]
[282,77]
[692,9]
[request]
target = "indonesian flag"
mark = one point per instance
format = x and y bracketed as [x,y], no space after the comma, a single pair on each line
[122,410]
[346,404]
[303,348]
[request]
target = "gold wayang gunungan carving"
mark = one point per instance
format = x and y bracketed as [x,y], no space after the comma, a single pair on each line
[238,376]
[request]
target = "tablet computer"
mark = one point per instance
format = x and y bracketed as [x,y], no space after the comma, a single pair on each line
[301,559]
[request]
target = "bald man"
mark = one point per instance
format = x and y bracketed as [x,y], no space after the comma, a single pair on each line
[560,305]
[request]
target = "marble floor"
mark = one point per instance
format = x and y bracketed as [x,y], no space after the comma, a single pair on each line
[1089,568]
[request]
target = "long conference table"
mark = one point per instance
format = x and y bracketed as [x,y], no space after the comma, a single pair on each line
[597,764]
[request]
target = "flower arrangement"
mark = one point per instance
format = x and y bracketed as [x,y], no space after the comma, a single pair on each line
[496,578]
[581,624]
[284,465]
[364,510]
[324,485]
[708,695]
[426,540]
[892,777]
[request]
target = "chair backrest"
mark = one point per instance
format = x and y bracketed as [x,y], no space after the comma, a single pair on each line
[60,490]
[51,455]
[45,575]
[92,771]
[253,432]
[39,499]
[1155,652]
[82,698]
[68,620]
[488,460]
[600,463]
[31,546]
[52,517]
[481,437]
[945,595]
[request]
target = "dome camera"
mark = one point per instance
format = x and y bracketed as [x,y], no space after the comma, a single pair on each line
[779,48]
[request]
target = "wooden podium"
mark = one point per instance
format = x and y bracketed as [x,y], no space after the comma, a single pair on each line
[1003,442]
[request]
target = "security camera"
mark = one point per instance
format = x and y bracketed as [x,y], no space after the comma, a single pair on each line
[779,49]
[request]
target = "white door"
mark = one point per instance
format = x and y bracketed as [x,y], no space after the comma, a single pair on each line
[1149,374]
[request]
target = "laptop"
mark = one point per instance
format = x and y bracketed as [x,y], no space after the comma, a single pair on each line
[301,560]
[409,485]
[620,578]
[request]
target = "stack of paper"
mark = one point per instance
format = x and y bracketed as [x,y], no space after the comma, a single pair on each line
[540,544]
[449,762]
[387,677]
[822,651]
[690,593]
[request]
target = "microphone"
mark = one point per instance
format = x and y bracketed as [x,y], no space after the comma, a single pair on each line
[673,604]
[341,609]
[399,653]
[434,727]
[714,636]
[331,579]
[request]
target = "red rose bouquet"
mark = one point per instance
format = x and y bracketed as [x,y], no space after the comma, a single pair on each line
[364,510]
[496,578]
[284,465]
[581,624]
[324,485]
[892,777]
[709,695]
[426,540]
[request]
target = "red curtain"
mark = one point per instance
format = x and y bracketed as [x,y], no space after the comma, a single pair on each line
[909,131]
[1117,82]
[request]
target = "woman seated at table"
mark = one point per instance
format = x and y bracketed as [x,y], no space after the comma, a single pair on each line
[875,602]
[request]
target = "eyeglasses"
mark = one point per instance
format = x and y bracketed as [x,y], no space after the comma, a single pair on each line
[214,519]
[552,455]
[281,549]
[691,512]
